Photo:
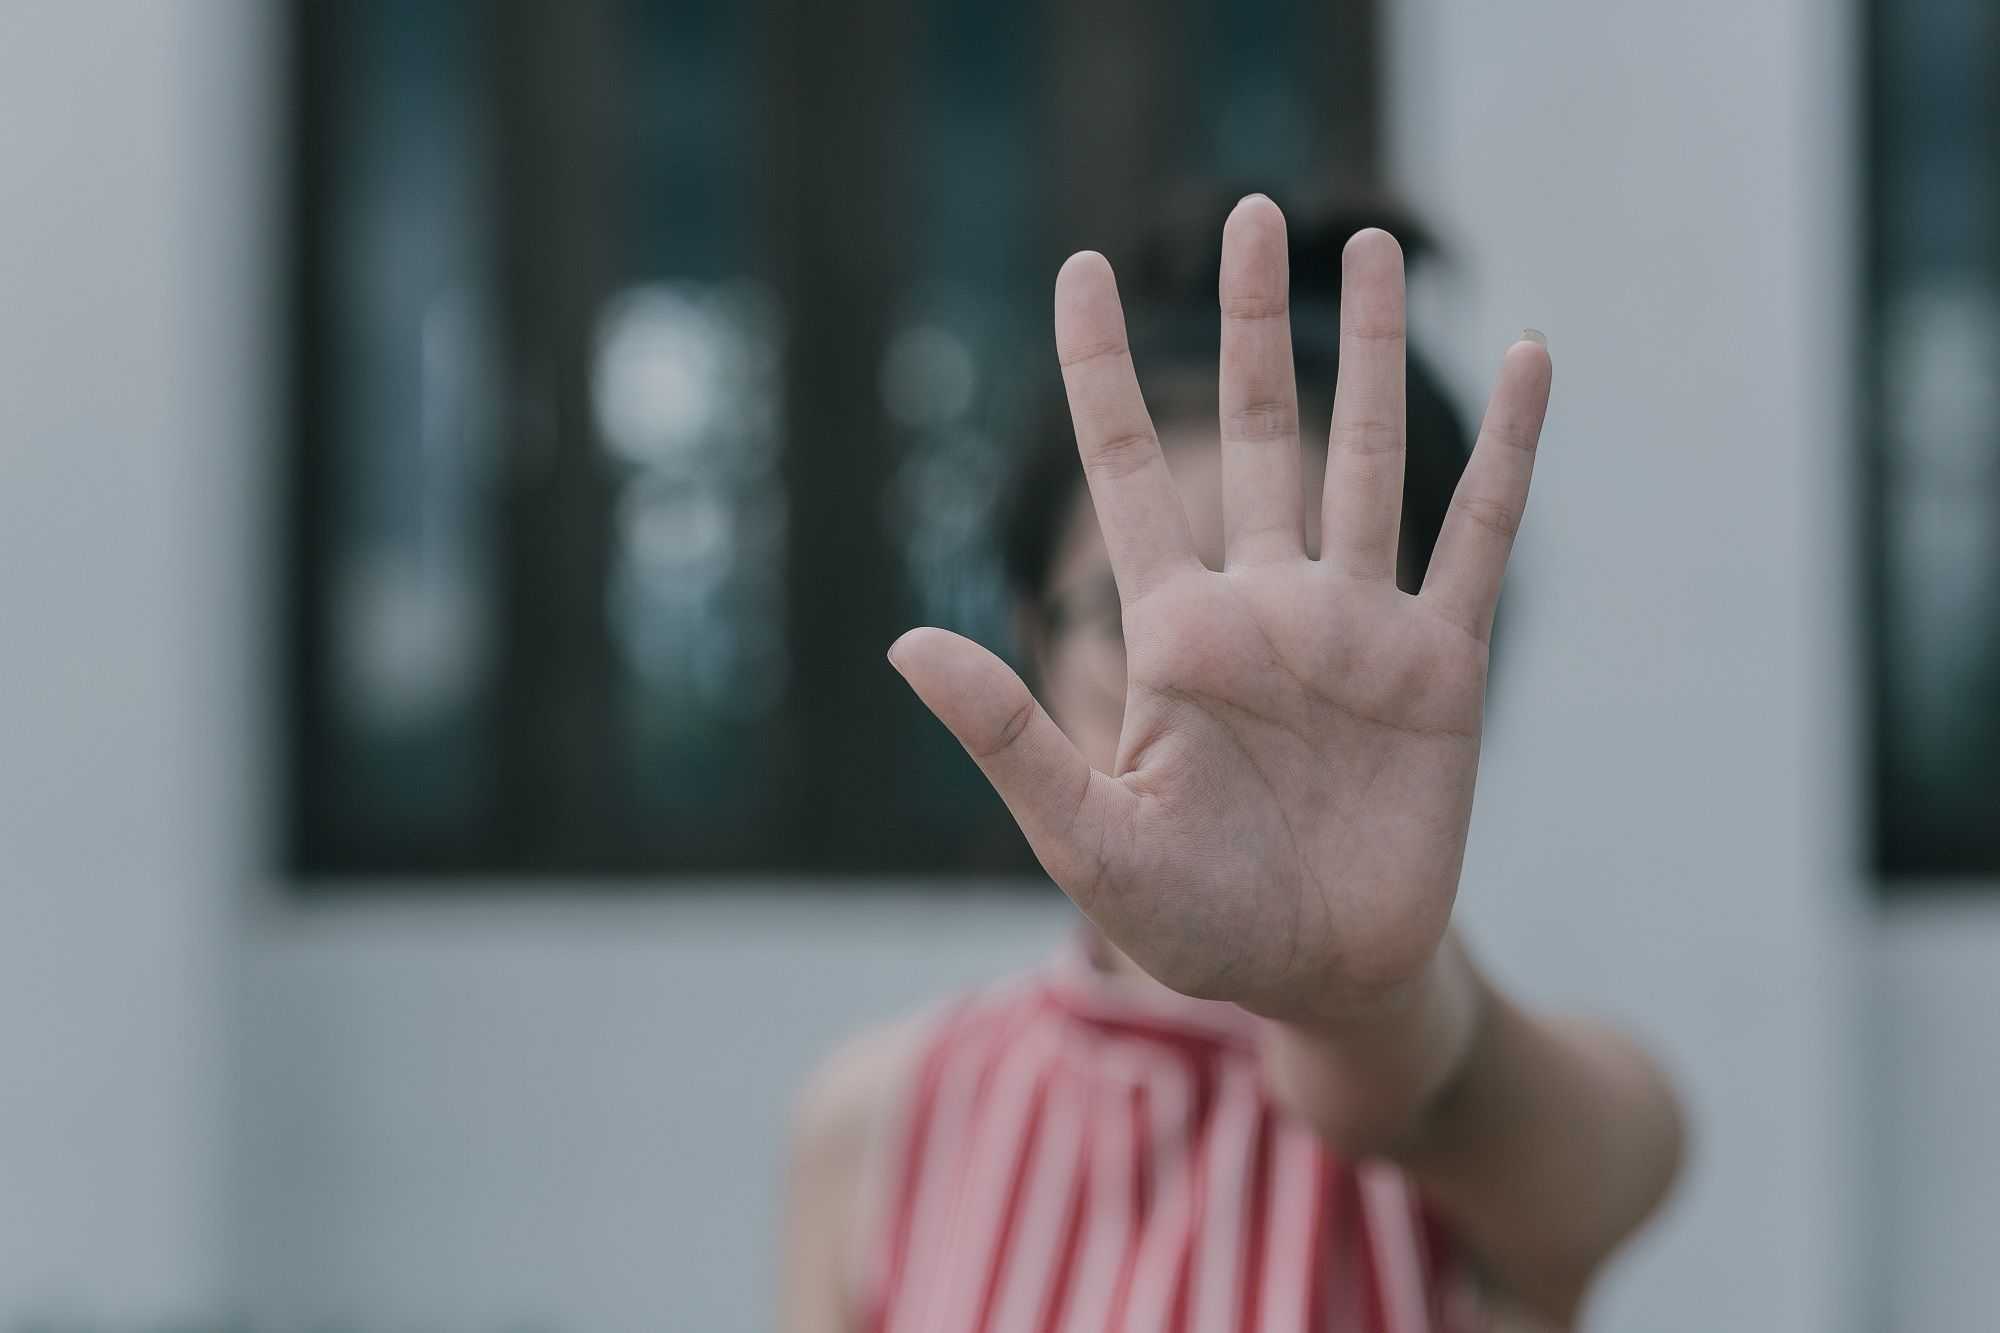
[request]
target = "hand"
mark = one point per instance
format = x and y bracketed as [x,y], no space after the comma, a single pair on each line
[1287,818]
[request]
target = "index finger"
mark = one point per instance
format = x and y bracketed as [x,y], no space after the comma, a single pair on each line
[1145,527]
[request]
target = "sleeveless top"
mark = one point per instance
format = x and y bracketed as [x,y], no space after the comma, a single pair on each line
[1083,1154]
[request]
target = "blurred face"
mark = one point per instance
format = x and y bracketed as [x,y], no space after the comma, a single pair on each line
[1081,650]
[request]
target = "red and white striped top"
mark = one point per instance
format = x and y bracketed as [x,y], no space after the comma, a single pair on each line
[1078,1154]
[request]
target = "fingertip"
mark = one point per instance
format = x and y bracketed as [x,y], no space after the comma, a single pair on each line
[1084,267]
[1529,353]
[1371,248]
[909,643]
[1254,210]
[1088,316]
[1255,273]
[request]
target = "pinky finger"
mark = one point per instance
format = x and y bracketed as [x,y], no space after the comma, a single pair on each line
[1463,583]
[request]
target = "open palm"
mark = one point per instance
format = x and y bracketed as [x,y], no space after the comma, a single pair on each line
[1287,817]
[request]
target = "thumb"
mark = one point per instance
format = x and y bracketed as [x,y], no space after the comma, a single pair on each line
[1061,804]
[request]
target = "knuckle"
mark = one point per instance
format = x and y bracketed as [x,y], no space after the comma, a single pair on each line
[1257,422]
[1122,455]
[1367,435]
[1373,331]
[1496,516]
[1519,436]
[1096,351]
[1011,730]
[1254,309]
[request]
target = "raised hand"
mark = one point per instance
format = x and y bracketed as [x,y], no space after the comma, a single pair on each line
[1286,820]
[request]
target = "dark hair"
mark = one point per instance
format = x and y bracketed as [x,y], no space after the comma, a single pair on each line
[1169,290]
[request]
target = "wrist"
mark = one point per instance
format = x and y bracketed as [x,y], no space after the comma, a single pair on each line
[1371,1078]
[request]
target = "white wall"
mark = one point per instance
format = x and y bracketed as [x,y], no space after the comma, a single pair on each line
[1665,816]
[128,292]
[563,1114]
[1932,995]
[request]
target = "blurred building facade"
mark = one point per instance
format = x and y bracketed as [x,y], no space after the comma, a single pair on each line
[552,1108]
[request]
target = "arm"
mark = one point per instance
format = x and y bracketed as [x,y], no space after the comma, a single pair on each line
[820,1186]
[836,1131]
[1285,821]
[1544,1142]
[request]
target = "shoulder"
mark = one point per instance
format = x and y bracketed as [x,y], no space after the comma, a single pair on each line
[847,1113]
[856,1090]
[847,1100]
[839,1122]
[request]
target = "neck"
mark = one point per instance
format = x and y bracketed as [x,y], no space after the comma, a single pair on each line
[1108,958]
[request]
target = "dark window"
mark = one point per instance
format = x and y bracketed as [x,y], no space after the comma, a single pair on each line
[1931,366]
[654,368]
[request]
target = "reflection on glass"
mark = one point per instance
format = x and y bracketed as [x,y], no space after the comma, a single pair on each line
[414,622]
[684,386]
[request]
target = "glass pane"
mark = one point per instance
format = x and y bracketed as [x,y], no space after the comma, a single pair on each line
[1937,357]
[401,479]
[687,384]
[658,369]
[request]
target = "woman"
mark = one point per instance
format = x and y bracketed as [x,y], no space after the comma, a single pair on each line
[1270,1089]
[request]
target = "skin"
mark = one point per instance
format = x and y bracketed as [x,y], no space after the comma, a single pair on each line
[1269,804]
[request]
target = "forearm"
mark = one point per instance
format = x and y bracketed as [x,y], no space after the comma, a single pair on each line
[1543,1142]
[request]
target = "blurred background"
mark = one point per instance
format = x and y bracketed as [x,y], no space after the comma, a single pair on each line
[460,465]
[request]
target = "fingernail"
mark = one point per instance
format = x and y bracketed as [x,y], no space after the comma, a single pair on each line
[1534,336]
